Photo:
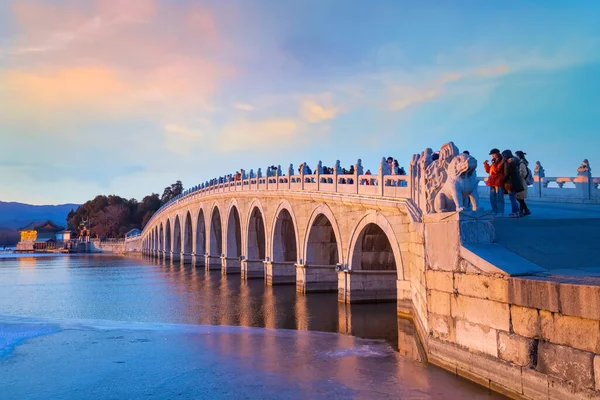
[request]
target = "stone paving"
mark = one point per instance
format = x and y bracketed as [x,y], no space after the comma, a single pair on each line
[562,238]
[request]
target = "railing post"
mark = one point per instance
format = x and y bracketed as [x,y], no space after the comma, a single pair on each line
[318,174]
[583,182]
[335,178]
[302,175]
[290,174]
[358,171]
[380,174]
[267,179]
[538,179]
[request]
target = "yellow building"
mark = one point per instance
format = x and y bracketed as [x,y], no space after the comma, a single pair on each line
[40,236]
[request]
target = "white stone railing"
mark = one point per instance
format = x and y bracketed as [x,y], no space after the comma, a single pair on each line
[394,186]
[582,188]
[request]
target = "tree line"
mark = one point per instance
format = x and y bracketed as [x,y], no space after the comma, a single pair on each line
[113,216]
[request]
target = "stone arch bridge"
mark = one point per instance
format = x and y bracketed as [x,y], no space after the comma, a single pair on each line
[480,310]
[333,232]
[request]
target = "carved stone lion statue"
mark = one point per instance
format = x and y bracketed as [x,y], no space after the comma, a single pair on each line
[460,184]
[449,182]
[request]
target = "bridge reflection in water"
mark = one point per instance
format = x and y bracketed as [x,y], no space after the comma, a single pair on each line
[210,298]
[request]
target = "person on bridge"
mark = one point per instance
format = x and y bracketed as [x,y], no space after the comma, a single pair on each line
[496,181]
[512,181]
[525,173]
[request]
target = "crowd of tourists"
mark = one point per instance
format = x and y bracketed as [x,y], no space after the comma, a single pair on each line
[508,175]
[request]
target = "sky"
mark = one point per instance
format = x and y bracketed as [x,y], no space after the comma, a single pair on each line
[127,96]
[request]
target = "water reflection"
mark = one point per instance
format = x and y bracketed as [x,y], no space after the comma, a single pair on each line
[207,297]
[120,289]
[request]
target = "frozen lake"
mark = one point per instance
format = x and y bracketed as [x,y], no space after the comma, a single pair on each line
[102,327]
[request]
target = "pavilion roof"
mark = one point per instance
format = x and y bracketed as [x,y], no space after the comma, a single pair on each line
[42,226]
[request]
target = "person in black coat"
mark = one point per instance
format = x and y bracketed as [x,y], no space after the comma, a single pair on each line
[512,181]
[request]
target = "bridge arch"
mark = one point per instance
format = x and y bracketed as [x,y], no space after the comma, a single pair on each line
[373,246]
[256,234]
[161,238]
[188,234]
[177,235]
[215,235]
[233,231]
[168,247]
[156,240]
[284,242]
[200,233]
[322,242]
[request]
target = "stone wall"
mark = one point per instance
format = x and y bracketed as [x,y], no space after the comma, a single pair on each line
[133,245]
[522,336]
[118,248]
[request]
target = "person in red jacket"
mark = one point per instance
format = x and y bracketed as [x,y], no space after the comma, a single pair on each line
[496,181]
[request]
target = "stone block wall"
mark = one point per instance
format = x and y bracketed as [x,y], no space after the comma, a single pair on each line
[412,292]
[525,337]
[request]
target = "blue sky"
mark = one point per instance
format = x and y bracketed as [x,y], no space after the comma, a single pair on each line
[127,96]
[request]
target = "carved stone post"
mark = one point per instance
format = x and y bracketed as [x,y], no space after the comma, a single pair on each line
[267,180]
[290,174]
[318,171]
[258,176]
[538,179]
[335,175]
[414,179]
[358,171]
[381,174]
[302,175]
[583,182]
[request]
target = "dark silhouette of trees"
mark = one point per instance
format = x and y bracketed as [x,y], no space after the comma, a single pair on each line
[172,191]
[113,216]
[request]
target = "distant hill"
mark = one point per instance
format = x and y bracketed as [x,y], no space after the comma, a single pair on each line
[16,215]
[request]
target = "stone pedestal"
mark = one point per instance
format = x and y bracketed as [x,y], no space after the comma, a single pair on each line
[253,269]
[445,233]
[280,273]
[230,265]
[316,278]
[212,262]
[367,286]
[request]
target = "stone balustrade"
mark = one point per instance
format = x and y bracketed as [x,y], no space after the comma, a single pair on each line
[358,183]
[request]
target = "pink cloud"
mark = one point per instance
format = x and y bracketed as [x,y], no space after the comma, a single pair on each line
[118,57]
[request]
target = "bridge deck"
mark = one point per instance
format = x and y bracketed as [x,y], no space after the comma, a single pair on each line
[562,238]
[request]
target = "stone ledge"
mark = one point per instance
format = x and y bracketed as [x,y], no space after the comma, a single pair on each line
[580,300]
[534,293]
[494,259]
[535,384]
[501,375]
